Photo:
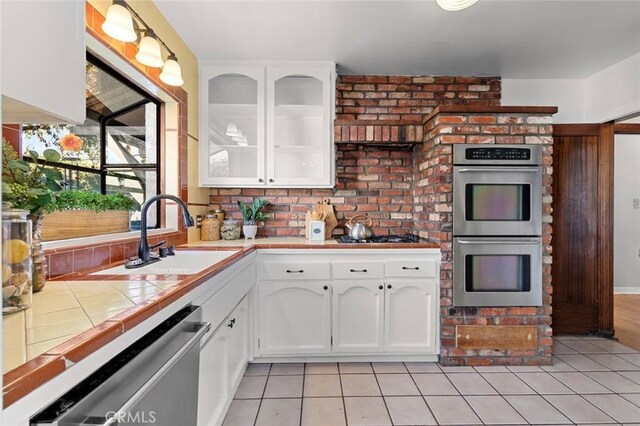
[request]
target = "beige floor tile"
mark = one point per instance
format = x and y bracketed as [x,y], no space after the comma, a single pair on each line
[631,375]
[397,385]
[355,368]
[492,369]
[582,363]
[614,362]
[558,366]
[584,347]
[616,407]
[284,387]
[578,409]
[360,385]
[508,384]
[55,317]
[42,347]
[544,383]
[422,367]
[471,384]
[56,330]
[242,412]
[561,348]
[613,347]
[279,412]
[388,367]
[633,358]
[251,387]
[12,358]
[493,409]
[457,369]
[614,381]
[321,368]
[434,384]
[367,411]
[323,412]
[322,385]
[410,410]
[452,410]
[632,397]
[580,383]
[286,369]
[536,410]
[258,370]
[525,369]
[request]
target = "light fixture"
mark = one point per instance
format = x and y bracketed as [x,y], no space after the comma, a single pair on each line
[149,52]
[238,137]
[171,72]
[119,23]
[232,129]
[243,141]
[455,5]
[124,24]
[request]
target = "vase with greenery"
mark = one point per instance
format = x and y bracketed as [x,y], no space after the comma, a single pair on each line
[30,186]
[252,214]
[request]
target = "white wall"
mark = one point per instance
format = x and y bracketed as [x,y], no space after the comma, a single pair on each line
[613,92]
[566,94]
[626,224]
[607,95]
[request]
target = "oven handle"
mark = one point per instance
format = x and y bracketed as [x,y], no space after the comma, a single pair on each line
[204,327]
[502,242]
[500,169]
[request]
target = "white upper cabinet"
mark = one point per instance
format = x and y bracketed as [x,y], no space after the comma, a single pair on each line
[43,62]
[267,125]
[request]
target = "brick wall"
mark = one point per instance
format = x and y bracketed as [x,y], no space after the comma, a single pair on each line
[433,214]
[371,180]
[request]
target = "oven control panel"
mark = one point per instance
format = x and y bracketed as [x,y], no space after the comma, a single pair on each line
[498,154]
[504,155]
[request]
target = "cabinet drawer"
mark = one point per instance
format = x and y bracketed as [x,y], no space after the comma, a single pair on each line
[295,271]
[358,270]
[411,268]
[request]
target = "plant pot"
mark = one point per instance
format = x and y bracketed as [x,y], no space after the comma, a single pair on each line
[62,225]
[249,231]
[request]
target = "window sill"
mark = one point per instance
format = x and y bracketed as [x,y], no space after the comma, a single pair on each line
[97,240]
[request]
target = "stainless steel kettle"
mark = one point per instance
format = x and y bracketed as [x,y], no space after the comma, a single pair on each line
[359,230]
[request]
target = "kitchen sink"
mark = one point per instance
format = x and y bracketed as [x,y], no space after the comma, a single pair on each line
[184,262]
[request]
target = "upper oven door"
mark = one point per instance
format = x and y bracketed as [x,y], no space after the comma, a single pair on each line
[497,201]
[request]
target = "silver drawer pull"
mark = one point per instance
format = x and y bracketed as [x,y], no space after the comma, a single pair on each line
[299,271]
[415,268]
[358,270]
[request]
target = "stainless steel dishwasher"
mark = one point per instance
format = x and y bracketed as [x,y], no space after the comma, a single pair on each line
[154,381]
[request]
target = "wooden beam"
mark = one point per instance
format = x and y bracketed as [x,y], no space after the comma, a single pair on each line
[576,130]
[627,129]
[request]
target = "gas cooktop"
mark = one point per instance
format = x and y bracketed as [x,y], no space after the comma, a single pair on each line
[408,238]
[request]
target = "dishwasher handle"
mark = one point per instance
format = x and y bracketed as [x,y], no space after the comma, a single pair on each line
[200,328]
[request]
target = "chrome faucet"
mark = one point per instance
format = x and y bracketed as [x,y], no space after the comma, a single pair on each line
[144,250]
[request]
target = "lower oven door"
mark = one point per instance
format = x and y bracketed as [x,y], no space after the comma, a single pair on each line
[497,271]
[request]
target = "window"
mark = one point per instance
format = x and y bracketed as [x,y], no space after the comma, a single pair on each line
[119,148]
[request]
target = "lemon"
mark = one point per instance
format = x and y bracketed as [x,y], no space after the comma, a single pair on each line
[15,251]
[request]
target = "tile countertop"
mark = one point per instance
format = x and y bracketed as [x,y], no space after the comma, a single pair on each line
[77,314]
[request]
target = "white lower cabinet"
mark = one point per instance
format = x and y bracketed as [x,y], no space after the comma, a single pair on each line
[358,315]
[213,383]
[410,314]
[295,317]
[238,346]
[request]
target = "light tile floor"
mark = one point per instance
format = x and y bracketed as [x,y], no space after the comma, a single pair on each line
[593,381]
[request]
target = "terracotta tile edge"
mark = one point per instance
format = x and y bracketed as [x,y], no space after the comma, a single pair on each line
[20,381]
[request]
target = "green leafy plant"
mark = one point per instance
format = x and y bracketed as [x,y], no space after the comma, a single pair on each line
[90,200]
[29,185]
[251,213]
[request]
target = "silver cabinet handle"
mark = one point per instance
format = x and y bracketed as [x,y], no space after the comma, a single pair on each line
[357,270]
[500,169]
[204,327]
[415,268]
[299,271]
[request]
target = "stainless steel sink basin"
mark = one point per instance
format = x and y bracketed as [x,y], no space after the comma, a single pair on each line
[183,263]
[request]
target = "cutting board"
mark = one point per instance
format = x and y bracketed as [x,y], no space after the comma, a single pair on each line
[330,220]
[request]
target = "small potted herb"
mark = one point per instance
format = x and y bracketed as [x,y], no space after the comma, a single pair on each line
[73,214]
[252,214]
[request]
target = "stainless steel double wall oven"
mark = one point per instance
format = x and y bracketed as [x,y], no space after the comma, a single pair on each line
[497,225]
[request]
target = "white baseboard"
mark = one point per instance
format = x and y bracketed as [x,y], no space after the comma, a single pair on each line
[626,290]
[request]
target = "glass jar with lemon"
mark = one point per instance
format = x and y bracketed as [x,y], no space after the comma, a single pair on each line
[16,260]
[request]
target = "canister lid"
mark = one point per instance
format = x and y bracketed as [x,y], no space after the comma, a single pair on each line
[10,213]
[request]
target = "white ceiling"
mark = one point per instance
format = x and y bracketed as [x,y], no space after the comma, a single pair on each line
[511,38]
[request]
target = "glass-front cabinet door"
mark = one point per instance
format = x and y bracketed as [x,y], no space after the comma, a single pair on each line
[299,126]
[232,127]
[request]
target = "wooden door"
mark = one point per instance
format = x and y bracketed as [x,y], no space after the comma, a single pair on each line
[582,229]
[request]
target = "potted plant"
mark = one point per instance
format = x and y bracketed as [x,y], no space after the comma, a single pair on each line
[74,214]
[252,214]
[30,186]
